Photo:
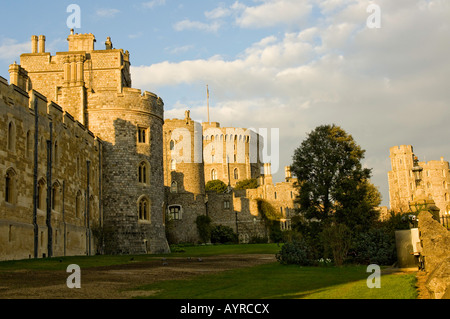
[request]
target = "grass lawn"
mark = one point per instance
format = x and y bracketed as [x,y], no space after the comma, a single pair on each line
[275,281]
[60,263]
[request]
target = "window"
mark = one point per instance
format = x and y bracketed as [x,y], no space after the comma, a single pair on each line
[56,197]
[10,186]
[78,205]
[174,187]
[173,165]
[143,208]
[236,173]
[226,204]
[446,197]
[175,212]
[172,145]
[142,135]
[213,174]
[143,173]
[41,195]
[275,195]
[11,137]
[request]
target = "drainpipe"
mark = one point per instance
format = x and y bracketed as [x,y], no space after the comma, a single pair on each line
[88,229]
[63,214]
[49,193]
[35,177]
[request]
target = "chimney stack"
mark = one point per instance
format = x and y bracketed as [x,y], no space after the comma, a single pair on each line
[41,43]
[34,44]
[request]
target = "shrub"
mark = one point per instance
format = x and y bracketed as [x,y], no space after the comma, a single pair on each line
[216,186]
[296,252]
[223,234]
[376,246]
[337,240]
[258,240]
[204,227]
[247,184]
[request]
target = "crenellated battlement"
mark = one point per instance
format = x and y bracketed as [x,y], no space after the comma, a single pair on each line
[15,97]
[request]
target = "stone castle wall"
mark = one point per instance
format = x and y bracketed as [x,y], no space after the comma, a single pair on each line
[72,146]
[94,86]
[402,186]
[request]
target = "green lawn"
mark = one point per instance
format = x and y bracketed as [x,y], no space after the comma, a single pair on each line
[60,263]
[272,280]
[275,281]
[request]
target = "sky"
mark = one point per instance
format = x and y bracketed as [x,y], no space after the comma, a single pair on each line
[381,73]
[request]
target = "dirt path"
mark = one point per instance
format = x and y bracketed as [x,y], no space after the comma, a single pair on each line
[117,282]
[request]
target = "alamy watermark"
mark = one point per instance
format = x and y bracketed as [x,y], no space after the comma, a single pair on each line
[74,19]
[374,280]
[374,20]
[225,146]
[74,280]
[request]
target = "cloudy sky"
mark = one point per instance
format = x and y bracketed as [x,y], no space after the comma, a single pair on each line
[283,64]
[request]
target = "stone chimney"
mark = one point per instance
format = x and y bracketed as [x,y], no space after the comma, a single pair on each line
[287,173]
[108,44]
[34,44]
[41,43]
[18,76]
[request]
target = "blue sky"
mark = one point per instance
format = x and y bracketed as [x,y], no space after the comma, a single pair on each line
[286,64]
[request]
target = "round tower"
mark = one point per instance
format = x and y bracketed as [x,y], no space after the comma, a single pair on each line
[183,156]
[133,185]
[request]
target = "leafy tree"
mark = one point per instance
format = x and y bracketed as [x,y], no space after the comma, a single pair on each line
[216,186]
[332,181]
[247,184]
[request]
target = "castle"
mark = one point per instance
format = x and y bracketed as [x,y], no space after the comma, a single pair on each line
[89,164]
[411,181]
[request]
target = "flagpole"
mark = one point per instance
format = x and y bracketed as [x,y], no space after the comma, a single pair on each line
[207,93]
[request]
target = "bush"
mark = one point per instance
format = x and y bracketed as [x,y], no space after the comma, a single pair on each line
[247,184]
[337,240]
[204,228]
[377,246]
[221,234]
[297,253]
[216,186]
[258,240]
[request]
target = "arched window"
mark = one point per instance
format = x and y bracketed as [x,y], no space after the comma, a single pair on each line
[143,209]
[173,165]
[78,205]
[41,195]
[236,173]
[56,200]
[10,186]
[11,137]
[172,145]
[174,187]
[143,173]
[446,197]
[213,174]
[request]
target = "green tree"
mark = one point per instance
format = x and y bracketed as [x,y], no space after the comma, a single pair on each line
[216,186]
[332,181]
[247,184]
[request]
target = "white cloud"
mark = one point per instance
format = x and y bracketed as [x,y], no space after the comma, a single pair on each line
[10,49]
[107,12]
[272,12]
[384,86]
[153,3]
[196,25]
